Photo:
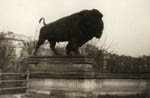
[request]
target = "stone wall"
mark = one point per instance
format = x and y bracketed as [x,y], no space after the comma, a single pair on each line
[76,76]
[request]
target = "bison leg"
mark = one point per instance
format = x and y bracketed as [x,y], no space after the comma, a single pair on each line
[68,49]
[76,51]
[39,43]
[52,46]
[72,47]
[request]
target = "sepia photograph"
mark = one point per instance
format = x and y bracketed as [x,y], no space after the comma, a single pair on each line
[75,49]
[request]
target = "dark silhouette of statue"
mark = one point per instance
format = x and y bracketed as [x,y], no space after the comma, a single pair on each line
[77,29]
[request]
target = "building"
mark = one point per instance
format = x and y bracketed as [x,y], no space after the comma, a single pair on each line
[17,40]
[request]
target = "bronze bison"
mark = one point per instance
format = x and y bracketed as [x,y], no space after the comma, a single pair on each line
[77,29]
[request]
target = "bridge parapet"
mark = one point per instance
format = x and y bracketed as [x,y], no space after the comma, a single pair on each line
[76,76]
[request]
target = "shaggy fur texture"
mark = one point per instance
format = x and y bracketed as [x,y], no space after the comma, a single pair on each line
[77,29]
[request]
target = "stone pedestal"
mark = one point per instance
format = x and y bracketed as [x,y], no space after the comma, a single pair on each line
[61,67]
[62,76]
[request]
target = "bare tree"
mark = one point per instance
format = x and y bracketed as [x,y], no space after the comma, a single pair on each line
[7,53]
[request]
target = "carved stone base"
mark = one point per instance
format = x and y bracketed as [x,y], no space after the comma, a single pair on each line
[62,76]
[61,67]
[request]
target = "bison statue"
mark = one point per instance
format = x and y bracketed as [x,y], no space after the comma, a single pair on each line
[77,29]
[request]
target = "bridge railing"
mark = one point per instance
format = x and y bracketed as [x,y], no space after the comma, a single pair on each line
[13,83]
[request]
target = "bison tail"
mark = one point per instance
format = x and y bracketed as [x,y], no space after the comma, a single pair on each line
[42,19]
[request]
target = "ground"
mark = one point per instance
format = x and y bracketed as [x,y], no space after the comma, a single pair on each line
[33,95]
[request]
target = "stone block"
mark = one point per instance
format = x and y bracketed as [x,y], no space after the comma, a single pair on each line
[62,67]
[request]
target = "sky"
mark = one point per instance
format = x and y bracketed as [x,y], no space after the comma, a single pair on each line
[126,22]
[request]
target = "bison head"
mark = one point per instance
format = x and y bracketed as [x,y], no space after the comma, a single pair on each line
[92,23]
